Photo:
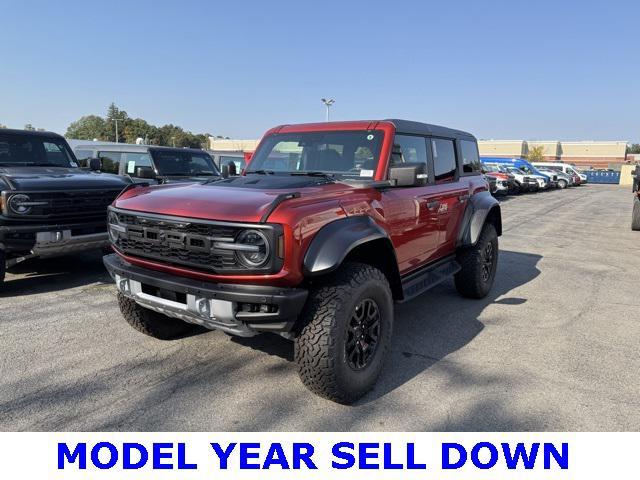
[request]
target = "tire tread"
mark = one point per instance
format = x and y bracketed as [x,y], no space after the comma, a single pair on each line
[316,348]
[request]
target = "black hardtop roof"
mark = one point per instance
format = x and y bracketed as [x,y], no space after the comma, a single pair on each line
[419,128]
[34,133]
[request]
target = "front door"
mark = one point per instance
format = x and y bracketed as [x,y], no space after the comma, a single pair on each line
[411,213]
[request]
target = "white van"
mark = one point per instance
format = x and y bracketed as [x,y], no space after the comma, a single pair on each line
[563,167]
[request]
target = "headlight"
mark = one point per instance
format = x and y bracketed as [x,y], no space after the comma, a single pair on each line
[252,248]
[20,204]
[115,229]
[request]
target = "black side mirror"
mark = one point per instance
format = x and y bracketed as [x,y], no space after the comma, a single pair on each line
[224,171]
[409,175]
[144,172]
[233,170]
[95,164]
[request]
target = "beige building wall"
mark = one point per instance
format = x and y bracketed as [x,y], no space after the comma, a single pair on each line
[551,148]
[502,148]
[594,149]
[232,145]
[596,154]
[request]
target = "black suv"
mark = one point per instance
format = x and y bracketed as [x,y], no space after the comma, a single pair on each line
[48,205]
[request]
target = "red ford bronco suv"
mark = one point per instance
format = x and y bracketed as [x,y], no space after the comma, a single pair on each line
[327,227]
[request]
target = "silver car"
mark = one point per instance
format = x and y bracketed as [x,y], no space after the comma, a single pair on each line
[563,180]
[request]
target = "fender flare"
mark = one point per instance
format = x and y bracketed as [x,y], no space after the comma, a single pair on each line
[336,240]
[479,207]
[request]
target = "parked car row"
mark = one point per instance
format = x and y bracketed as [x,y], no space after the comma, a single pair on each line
[515,175]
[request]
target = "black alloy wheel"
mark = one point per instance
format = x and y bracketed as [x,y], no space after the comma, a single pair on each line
[363,332]
[487,262]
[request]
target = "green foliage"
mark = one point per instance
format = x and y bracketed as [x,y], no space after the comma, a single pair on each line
[88,128]
[130,129]
[633,148]
[536,154]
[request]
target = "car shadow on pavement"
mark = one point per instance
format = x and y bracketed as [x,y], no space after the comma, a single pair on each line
[430,327]
[52,274]
[440,322]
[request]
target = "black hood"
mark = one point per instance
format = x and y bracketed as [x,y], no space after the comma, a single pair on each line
[57,178]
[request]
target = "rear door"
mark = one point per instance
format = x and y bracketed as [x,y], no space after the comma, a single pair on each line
[451,191]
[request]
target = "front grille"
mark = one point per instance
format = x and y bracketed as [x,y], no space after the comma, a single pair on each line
[78,203]
[182,242]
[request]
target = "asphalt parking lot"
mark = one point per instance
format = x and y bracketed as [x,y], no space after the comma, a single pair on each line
[554,346]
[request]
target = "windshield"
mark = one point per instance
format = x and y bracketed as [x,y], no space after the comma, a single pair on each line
[184,163]
[515,170]
[31,150]
[339,153]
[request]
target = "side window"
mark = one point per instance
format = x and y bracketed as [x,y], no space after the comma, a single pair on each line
[133,160]
[110,161]
[83,154]
[470,158]
[444,159]
[409,149]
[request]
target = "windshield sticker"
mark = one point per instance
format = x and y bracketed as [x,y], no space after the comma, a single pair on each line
[131,166]
[366,173]
[370,137]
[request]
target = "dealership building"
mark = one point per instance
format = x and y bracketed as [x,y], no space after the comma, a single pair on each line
[610,154]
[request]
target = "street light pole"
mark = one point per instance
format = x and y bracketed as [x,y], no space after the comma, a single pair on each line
[116,120]
[327,104]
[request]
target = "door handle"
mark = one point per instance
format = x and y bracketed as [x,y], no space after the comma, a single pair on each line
[432,205]
[463,198]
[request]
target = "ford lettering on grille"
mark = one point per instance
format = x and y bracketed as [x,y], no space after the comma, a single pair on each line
[191,244]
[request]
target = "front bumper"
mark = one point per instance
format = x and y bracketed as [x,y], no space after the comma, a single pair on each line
[52,240]
[243,310]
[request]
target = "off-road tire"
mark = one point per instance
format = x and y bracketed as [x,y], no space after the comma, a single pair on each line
[152,323]
[321,342]
[635,216]
[562,184]
[470,281]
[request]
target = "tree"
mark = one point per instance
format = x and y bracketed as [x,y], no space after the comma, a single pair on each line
[633,148]
[88,128]
[138,128]
[130,129]
[536,154]
[116,122]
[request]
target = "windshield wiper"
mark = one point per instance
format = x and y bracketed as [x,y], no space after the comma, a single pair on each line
[313,173]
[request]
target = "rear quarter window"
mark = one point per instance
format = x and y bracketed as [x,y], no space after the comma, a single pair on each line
[444,159]
[470,158]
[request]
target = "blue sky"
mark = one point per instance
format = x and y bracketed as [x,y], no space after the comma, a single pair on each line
[534,70]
